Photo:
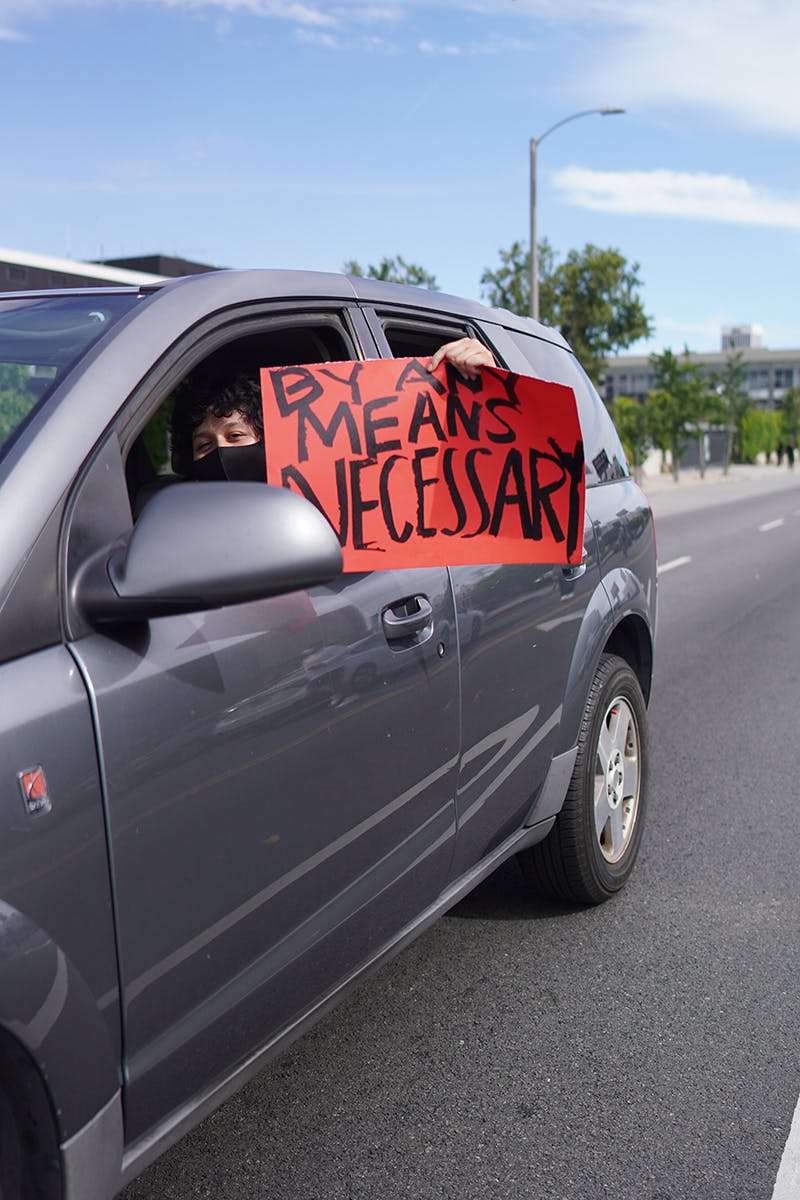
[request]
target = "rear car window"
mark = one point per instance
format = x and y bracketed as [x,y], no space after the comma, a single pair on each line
[40,339]
[417,338]
[605,457]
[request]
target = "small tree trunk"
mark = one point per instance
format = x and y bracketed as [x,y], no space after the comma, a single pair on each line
[726,462]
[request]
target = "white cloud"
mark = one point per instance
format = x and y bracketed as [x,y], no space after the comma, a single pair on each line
[363,43]
[312,15]
[698,196]
[368,12]
[319,38]
[300,14]
[437,48]
[306,15]
[737,59]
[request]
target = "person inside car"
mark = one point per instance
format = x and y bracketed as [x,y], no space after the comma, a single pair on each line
[219,434]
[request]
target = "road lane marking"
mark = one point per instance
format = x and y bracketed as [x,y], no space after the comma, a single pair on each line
[771,525]
[675,562]
[787,1183]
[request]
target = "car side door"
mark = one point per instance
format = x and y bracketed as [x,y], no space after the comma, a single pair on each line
[518,626]
[279,774]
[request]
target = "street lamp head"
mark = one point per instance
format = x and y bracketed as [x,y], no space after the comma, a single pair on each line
[607,111]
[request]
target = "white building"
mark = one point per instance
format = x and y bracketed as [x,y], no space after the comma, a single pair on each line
[768,374]
[741,337]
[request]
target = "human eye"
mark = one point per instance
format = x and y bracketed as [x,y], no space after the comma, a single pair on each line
[201,447]
[239,432]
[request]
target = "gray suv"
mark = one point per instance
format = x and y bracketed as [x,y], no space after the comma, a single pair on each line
[229,787]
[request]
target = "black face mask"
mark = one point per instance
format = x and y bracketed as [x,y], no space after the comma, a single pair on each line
[240,464]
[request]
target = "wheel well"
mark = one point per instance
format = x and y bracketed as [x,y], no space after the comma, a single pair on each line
[631,641]
[29,1102]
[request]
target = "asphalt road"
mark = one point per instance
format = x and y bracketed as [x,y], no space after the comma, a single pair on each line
[644,1050]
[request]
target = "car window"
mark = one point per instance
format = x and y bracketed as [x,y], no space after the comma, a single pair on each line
[605,457]
[152,463]
[40,339]
[417,338]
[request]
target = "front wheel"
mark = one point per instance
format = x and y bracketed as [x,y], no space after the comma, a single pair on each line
[10,1158]
[29,1159]
[591,850]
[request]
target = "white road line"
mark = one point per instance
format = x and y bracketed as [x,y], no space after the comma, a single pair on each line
[676,562]
[787,1183]
[771,525]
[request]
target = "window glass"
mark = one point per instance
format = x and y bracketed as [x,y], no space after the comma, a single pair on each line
[605,458]
[39,341]
[413,339]
[154,462]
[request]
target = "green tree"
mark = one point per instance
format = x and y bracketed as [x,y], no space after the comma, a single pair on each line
[704,408]
[509,286]
[16,400]
[760,431]
[632,420]
[592,297]
[789,409]
[394,270]
[734,403]
[677,405]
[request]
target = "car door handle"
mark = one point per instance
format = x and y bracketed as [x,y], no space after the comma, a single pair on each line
[575,572]
[406,617]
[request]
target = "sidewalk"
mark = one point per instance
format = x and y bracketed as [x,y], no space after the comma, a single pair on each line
[666,496]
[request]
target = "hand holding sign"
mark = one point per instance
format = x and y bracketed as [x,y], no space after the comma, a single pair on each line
[467,355]
[415,467]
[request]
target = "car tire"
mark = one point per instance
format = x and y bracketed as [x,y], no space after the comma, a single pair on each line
[591,850]
[30,1167]
[10,1156]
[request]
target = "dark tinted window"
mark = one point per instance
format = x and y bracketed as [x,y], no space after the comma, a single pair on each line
[283,342]
[605,458]
[417,338]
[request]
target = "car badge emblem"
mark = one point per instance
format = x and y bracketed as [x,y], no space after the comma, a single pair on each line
[35,795]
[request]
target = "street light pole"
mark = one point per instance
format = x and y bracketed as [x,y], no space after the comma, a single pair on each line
[587,112]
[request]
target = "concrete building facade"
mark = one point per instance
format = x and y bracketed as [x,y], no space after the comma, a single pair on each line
[768,374]
[21,271]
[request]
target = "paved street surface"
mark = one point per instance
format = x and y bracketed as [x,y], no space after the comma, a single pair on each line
[643,1050]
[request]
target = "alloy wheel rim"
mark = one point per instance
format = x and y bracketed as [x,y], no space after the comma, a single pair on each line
[616,780]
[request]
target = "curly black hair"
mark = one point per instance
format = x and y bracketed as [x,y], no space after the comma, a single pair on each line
[193,404]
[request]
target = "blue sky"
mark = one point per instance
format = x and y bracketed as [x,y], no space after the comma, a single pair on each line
[302,134]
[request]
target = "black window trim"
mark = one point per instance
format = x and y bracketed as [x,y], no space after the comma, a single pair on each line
[202,340]
[451,325]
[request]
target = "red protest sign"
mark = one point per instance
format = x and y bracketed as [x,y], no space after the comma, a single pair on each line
[420,468]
